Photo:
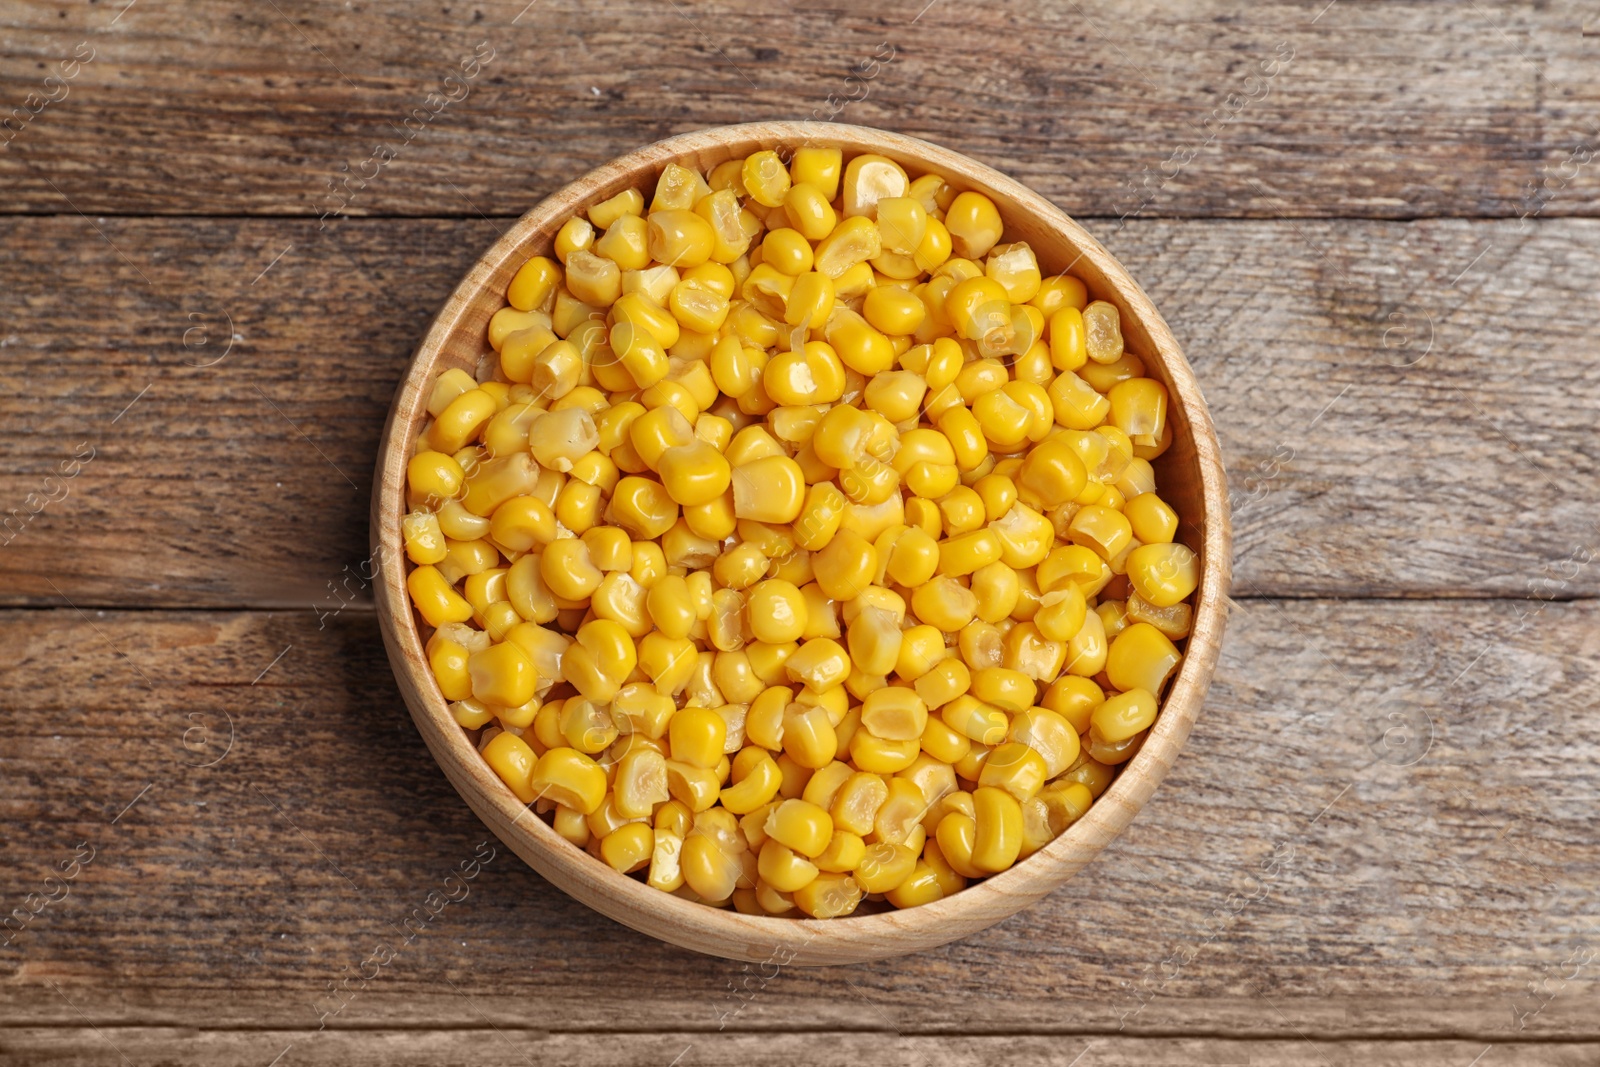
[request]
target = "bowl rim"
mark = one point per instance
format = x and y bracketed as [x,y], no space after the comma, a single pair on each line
[721,931]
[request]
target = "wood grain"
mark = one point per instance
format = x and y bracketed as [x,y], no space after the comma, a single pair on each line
[503,1047]
[245,483]
[1299,871]
[1393,110]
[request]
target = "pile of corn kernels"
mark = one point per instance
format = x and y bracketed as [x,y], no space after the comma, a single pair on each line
[799,546]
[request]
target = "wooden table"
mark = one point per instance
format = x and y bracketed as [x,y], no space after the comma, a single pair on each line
[1371,225]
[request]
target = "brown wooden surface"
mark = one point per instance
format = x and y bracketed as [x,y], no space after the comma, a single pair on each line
[1412,527]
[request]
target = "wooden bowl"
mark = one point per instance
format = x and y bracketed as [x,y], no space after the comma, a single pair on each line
[1190,475]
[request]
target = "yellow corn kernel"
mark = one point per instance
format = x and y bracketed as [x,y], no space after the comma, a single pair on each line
[600,659]
[913,558]
[695,787]
[657,431]
[1010,691]
[434,476]
[754,785]
[1106,531]
[1076,565]
[997,835]
[1122,717]
[811,301]
[513,761]
[823,788]
[1163,574]
[594,279]
[694,474]
[981,645]
[782,868]
[697,308]
[852,243]
[628,203]
[1141,657]
[640,783]
[670,607]
[678,188]
[975,720]
[1074,698]
[777,611]
[679,238]
[423,539]
[1102,329]
[903,221]
[881,755]
[534,284]
[845,565]
[666,860]
[808,736]
[894,713]
[1059,292]
[819,168]
[966,438]
[1152,519]
[964,554]
[974,224]
[808,211]
[844,853]
[1015,768]
[944,681]
[885,866]
[820,664]
[575,235]
[696,736]
[710,869]
[639,708]
[1067,345]
[1175,621]
[586,726]
[522,524]
[1050,735]
[1078,405]
[788,252]
[768,489]
[998,589]
[568,570]
[569,777]
[1061,613]
[801,826]
[642,507]
[1052,474]
[471,715]
[765,179]
[626,244]
[1085,650]
[434,599]
[830,895]
[943,742]
[945,604]
[922,886]
[448,661]
[502,674]
[856,803]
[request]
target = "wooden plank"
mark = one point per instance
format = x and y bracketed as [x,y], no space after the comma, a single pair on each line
[513,1048]
[1381,440]
[1381,829]
[1220,108]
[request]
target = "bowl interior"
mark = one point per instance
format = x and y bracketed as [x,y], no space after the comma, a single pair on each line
[1189,473]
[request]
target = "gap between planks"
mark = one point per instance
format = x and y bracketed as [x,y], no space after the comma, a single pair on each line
[1130,1034]
[364,606]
